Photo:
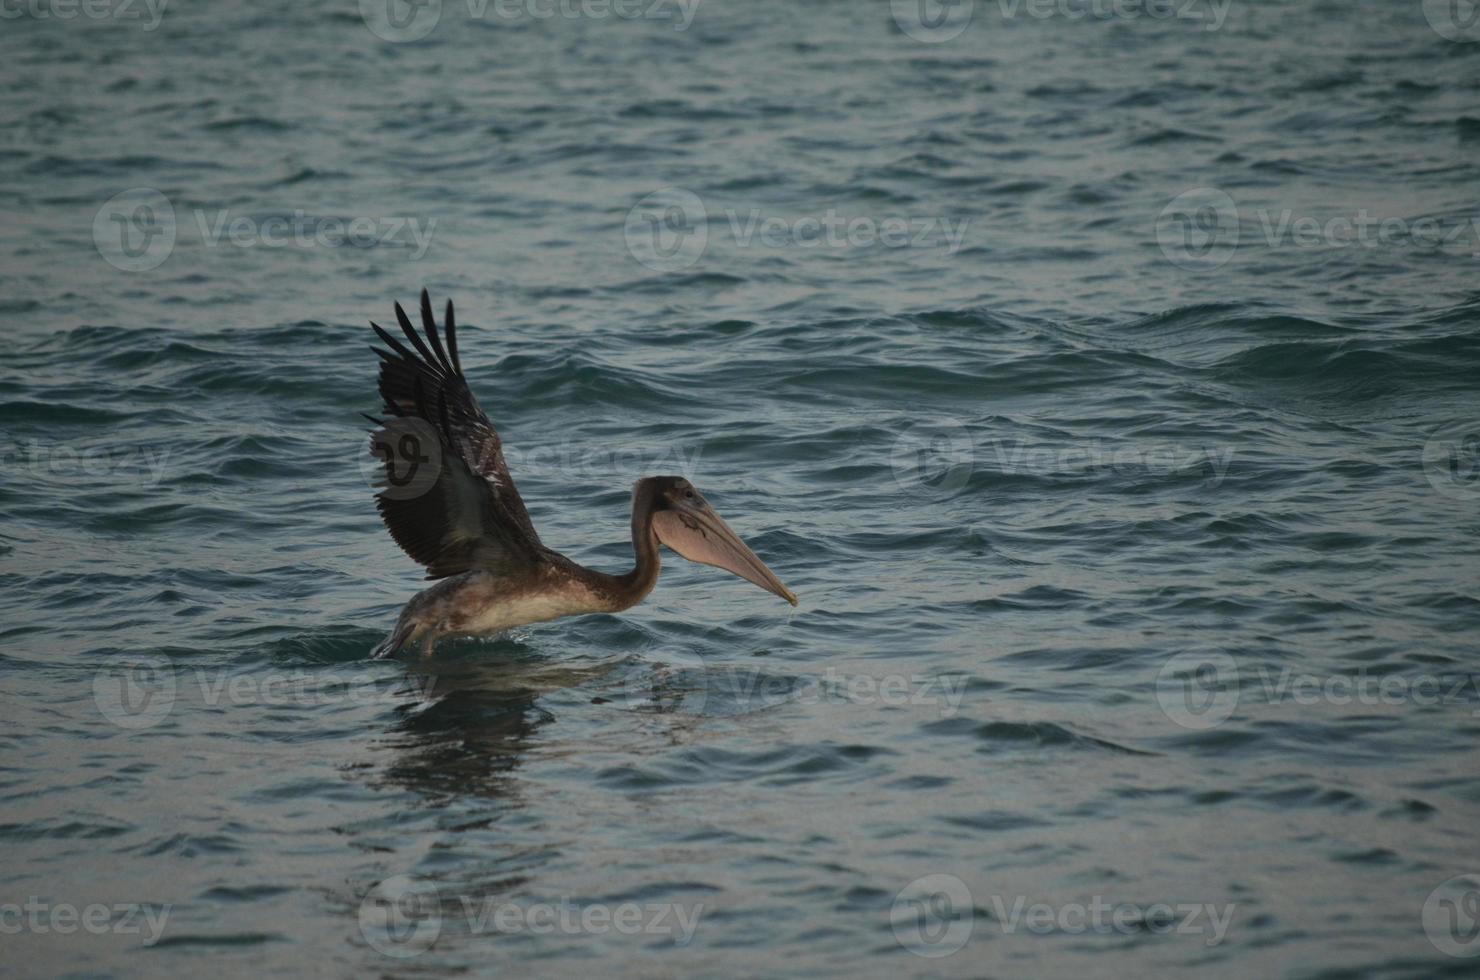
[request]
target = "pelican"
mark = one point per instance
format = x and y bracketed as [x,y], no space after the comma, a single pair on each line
[448,500]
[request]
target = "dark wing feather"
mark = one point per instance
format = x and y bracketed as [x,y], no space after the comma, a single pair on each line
[460,510]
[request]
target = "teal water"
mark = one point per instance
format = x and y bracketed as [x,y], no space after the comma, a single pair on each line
[1136,536]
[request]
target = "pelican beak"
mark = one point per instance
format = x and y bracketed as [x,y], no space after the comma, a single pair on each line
[696,532]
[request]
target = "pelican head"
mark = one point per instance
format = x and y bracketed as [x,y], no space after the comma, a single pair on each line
[685,523]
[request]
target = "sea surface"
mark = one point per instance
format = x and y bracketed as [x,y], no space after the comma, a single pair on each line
[1106,383]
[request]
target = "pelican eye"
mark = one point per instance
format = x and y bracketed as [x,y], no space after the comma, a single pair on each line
[689,493]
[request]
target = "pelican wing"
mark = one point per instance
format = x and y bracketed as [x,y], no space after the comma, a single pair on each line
[447,496]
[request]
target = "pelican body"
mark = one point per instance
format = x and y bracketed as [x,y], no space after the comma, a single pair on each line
[448,500]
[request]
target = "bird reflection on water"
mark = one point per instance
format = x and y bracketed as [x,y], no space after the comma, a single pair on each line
[469,721]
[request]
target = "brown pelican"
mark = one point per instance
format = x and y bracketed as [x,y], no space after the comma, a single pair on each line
[449,502]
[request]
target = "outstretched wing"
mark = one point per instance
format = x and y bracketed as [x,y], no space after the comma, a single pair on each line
[447,497]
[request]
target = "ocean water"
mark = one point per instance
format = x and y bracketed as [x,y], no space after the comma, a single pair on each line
[1103,381]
